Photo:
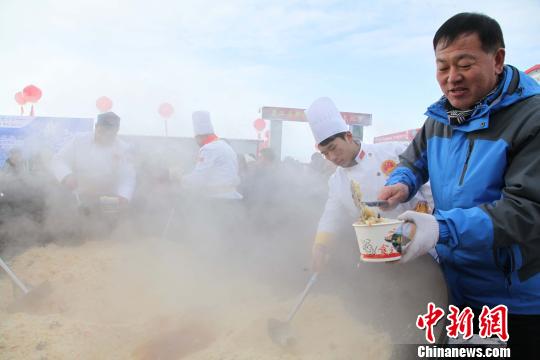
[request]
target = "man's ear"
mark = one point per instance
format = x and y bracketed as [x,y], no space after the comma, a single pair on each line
[349,137]
[499,60]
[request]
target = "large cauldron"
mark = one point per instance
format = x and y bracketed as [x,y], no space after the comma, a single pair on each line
[388,296]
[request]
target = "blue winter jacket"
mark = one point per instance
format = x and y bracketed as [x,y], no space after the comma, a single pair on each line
[485,179]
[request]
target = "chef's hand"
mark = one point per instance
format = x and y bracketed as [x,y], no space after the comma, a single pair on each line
[319,257]
[424,237]
[70,182]
[394,195]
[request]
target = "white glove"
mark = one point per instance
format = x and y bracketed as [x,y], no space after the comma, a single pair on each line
[425,237]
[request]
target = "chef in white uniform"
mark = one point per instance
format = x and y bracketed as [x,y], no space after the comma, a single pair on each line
[216,172]
[367,164]
[97,165]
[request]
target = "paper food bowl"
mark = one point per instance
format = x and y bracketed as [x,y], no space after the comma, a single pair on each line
[372,243]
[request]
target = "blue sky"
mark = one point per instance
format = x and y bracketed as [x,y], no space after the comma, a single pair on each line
[233,57]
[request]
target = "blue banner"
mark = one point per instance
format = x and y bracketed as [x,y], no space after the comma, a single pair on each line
[38,135]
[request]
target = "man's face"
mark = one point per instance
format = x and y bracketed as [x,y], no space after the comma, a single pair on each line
[341,152]
[465,72]
[105,135]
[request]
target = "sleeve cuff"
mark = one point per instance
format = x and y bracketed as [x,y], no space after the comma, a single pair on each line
[444,231]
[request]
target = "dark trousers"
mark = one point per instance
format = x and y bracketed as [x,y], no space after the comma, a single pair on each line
[523,331]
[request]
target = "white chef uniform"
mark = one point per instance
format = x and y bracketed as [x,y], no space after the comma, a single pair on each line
[374,164]
[216,171]
[100,170]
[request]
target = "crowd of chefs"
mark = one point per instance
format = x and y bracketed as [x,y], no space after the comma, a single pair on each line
[99,175]
[477,153]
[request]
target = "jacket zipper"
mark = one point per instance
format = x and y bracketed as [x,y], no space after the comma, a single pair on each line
[469,152]
[512,266]
[507,267]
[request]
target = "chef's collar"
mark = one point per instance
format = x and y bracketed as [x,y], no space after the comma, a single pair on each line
[209,139]
[361,154]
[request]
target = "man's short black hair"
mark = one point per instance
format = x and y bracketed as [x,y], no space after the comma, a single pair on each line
[332,138]
[488,30]
[109,120]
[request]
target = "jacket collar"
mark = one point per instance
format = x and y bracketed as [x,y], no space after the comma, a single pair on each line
[515,86]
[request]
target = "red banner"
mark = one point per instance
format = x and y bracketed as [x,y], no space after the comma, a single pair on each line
[407,135]
[295,114]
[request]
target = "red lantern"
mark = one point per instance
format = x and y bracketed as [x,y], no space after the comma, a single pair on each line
[259,124]
[32,93]
[166,110]
[104,104]
[20,99]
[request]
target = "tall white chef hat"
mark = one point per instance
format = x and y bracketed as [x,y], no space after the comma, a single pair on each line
[324,119]
[202,125]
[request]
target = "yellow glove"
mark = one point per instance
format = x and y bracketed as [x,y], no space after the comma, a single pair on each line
[319,252]
[323,238]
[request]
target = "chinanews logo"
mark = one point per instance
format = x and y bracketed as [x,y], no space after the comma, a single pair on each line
[491,322]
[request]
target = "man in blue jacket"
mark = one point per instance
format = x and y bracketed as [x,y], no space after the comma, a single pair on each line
[480,149]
